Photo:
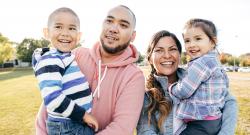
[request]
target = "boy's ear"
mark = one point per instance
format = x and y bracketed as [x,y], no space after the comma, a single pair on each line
[46,33]
[79,35]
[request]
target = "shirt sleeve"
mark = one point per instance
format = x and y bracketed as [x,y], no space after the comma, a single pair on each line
[143,128]
[197,73]
[49,73]
[229,116]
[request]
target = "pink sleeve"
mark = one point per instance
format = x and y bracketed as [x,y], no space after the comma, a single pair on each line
[127,109]
[41,121]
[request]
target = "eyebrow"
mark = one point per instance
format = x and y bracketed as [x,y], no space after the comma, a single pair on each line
[122,20]
[72,25]
[171,46]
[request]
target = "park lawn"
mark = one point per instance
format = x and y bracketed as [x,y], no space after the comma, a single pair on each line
[20,100]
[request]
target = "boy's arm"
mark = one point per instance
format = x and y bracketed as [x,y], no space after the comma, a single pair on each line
[127,108]
[229,116]
[196,74]
[49,73]
[40,124]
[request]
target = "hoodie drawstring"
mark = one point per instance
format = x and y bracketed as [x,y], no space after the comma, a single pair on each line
[100,79]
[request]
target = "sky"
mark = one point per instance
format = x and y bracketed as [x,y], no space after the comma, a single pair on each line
[26,19]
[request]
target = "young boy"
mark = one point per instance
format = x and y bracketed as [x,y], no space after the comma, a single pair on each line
[64,88]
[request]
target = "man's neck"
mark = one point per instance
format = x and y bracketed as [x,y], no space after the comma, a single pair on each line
[107,57]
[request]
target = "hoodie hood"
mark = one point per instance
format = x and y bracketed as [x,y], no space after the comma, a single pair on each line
[130,55]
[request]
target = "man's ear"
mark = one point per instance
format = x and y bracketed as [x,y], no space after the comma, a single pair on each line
[46,33]
[133,36]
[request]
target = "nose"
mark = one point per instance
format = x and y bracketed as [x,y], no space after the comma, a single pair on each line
[114,28]
[190,44]
[167,54]
[65,32]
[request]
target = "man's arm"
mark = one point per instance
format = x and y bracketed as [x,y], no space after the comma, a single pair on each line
[229,116]
[128,108]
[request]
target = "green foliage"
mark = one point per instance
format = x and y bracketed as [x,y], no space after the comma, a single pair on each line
[26,48]
[6,49]
[184,58]
[245,60]
[141,58]
[233,61]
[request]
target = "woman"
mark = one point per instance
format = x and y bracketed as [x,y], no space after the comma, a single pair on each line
[157,116]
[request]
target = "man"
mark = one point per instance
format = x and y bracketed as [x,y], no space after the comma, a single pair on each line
[116,82]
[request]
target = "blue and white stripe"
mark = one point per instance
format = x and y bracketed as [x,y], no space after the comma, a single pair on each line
[65,91]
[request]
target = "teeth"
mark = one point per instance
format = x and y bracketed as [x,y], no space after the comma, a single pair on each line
[167,63]
[64,41]
[112,38]
[193,51]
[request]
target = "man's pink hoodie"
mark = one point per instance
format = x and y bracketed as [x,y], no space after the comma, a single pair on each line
[118,99]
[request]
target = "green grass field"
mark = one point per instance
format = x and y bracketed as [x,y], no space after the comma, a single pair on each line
[20,100]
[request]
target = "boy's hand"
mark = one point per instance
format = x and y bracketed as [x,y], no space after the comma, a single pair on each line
[91,121]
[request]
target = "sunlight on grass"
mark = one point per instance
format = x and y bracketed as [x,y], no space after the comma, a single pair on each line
[20,100]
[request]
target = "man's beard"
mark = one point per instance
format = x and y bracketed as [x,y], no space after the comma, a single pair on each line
[115,50]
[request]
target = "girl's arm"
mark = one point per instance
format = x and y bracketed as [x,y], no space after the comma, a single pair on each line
[229,116]
[197,73]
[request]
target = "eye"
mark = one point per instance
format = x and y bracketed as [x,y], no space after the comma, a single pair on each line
[124,25]
[173,49]
[158,51]
[58,27]
[108,21]
[198,38]
[72,28]
[186,40]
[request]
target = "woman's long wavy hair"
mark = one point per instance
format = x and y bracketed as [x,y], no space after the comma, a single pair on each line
[157,101]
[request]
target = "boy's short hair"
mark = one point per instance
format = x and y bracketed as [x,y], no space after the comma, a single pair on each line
[63,9]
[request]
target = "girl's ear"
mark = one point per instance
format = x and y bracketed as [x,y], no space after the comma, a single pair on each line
[215,41]
[46,33]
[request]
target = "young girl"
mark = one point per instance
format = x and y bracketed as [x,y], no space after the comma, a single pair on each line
[202,91]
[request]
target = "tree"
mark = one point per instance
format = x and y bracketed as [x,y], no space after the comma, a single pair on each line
[6,49]
[184,58]
[225,57]
[141,58]
[245,60]
[233,61]
[26,48]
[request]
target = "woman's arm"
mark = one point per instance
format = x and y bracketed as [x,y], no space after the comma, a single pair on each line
[229,116]
[143,128]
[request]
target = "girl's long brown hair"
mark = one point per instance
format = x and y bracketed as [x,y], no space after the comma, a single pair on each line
[157,101]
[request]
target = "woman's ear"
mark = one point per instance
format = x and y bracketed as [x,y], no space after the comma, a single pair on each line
[46,33]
